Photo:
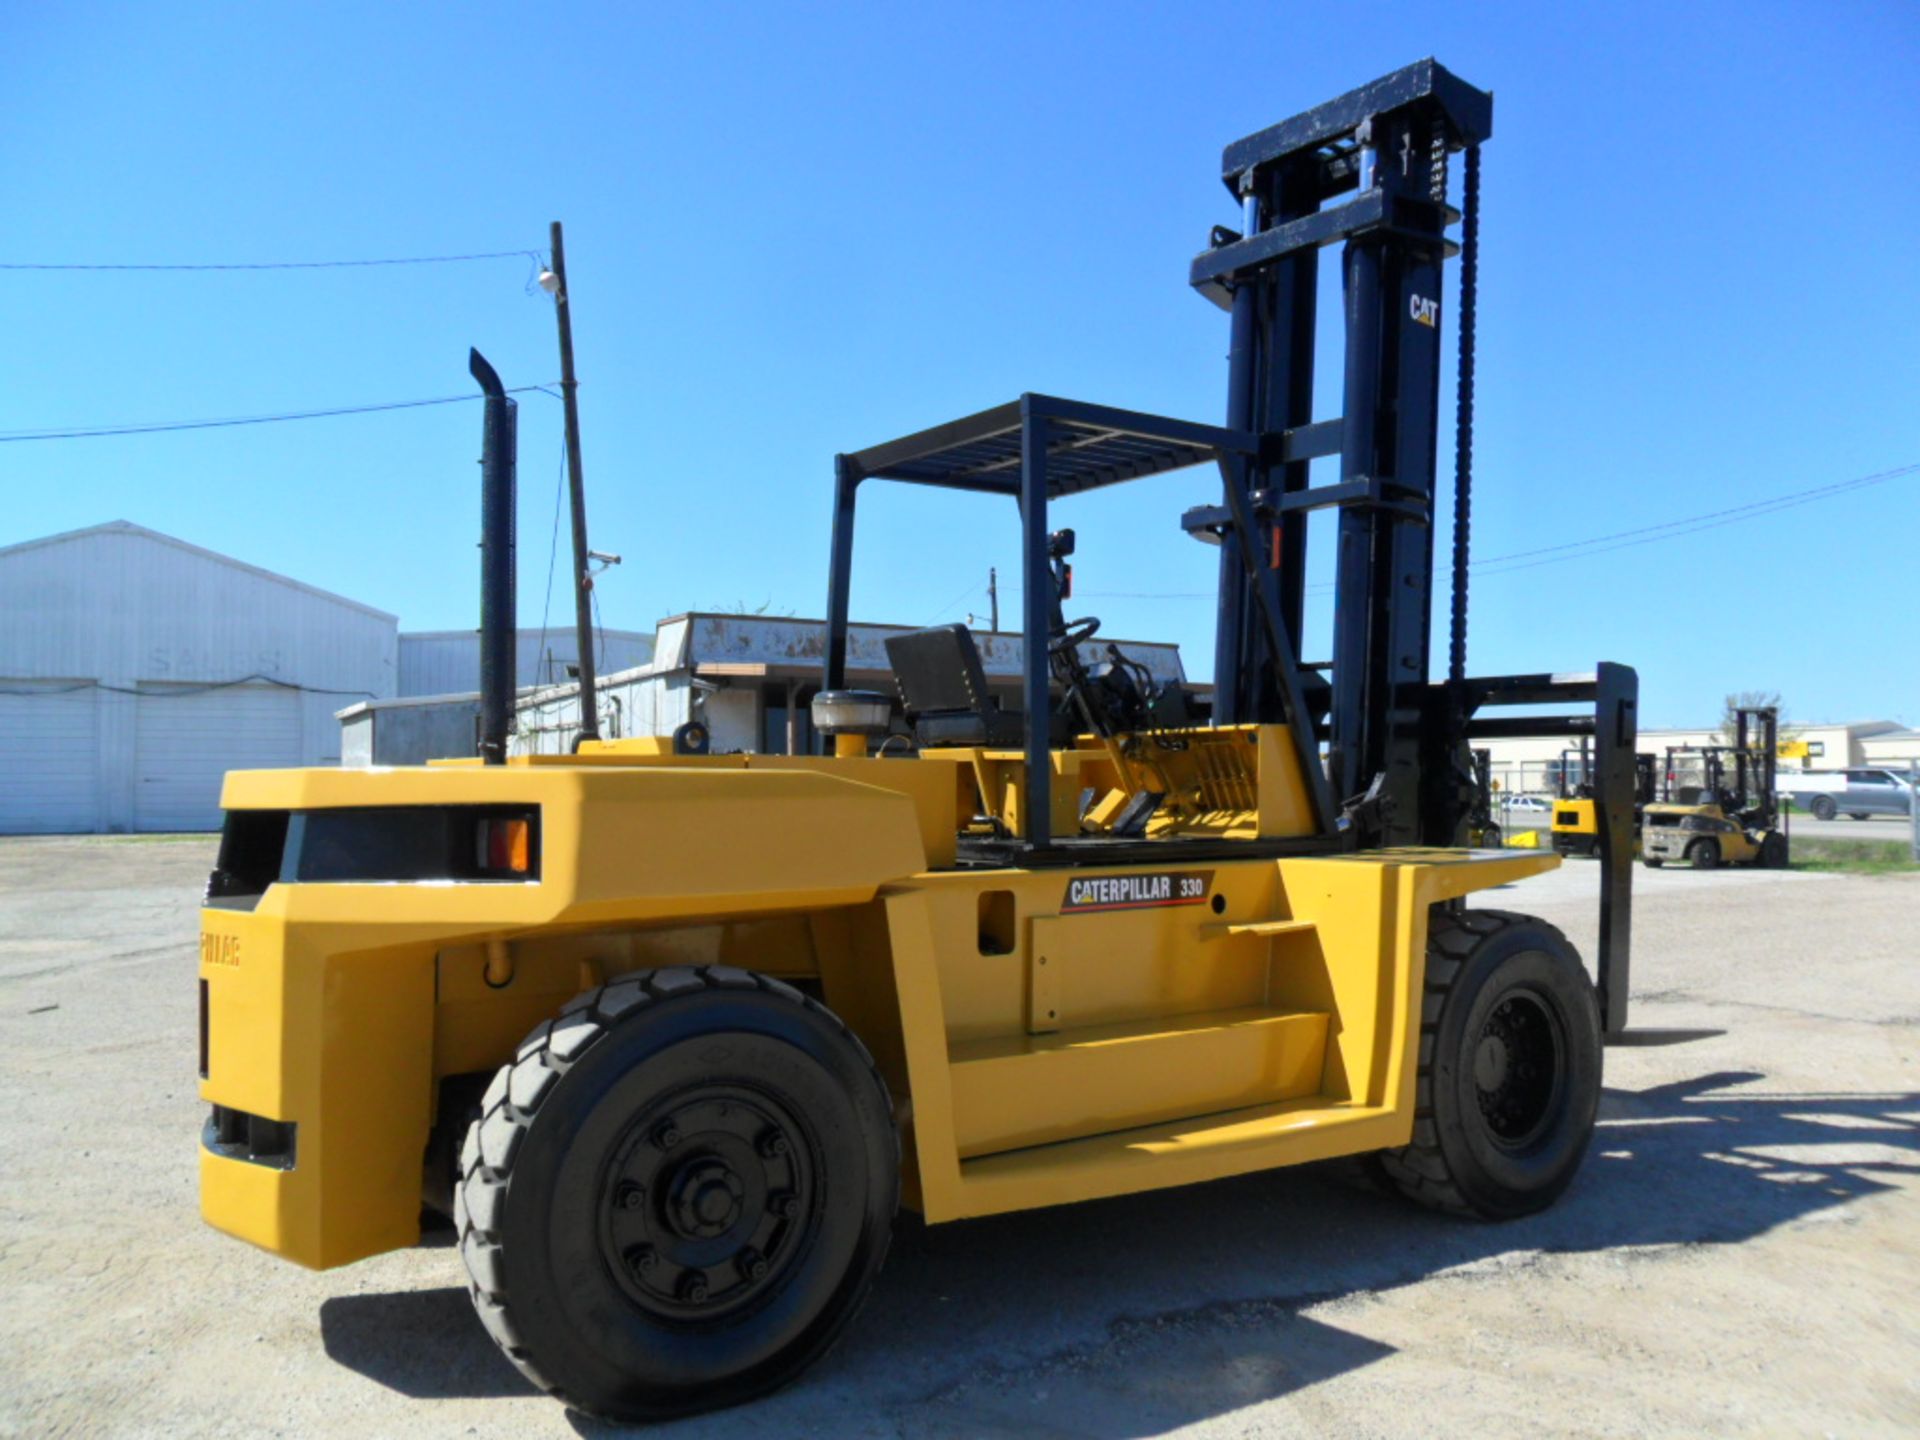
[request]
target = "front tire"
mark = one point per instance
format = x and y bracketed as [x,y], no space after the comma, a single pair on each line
[1704,854]
[1652,862]
[679,1193]
[1509,1079]
[1773,851]
[1823,807]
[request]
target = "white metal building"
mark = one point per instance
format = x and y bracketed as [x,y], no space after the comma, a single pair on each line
[1894,749]
[447,662]
[136,669]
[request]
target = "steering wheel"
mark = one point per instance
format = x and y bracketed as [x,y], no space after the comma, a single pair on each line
[1074,635]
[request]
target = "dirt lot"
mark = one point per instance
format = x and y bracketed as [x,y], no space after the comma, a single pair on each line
[1740,1256]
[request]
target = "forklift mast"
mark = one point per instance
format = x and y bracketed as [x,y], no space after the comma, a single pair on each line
[1369,169]
[1757,749]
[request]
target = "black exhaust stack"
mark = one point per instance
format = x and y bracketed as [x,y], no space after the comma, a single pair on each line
[499,447]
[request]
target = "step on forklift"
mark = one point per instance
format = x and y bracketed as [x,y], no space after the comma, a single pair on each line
[1575,828]
[672,1034]
[1733,816]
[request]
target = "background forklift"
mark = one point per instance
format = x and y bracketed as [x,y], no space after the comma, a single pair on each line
[1732,817]
[1575,828]
[679,1032]
[1483,826]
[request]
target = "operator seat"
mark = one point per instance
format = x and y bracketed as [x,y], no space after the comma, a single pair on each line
[943,686]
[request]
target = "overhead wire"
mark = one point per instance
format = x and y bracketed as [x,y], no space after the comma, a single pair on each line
[1600,544]
[958,600]
[521,253]
[1691,524]
[553,552]
[92,432]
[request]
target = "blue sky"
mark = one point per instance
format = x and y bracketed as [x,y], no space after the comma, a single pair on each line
[795,230]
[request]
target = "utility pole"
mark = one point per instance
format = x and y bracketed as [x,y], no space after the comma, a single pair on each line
[576,489]
[993,597]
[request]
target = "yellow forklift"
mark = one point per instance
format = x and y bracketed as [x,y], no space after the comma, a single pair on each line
[1733,816]
[1575,828]
[671,1035]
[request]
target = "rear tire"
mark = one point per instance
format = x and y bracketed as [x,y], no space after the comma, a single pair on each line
[1509,1079]
[1652,862]
[1856,815]
[1704,854]
[1823,807]
[679,1194]
[1773,851]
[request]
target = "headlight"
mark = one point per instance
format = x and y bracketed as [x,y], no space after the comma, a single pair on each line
[386,843]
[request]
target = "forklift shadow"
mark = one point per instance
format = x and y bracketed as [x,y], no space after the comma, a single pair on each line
[1135,1316]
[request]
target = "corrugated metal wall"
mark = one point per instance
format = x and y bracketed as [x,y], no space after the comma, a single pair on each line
[119,608]
[447,662]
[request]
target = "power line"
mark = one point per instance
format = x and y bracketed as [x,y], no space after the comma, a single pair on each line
[553,550]
[287,264]
[90,432]
[1600,544]
[958,600]
[1690,523]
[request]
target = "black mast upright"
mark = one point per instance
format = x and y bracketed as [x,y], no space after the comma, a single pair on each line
[1381,153]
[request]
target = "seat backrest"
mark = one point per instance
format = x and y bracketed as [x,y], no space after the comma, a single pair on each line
[938,670]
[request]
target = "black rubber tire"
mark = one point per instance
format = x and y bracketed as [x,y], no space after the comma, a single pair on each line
[1857,815]
[1478,960]
[1491,838]
[1704,854]
[543,1173]
[1823,807]
[1652,862]
[1773,851]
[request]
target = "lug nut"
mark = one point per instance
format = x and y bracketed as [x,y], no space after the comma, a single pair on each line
[753,1265]
[786,1206]
[694,1288]
[667,1136]
[632,1197]
[773,1145]
[642,1258]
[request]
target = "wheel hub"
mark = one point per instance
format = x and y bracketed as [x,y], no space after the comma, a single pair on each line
[1490,1063]
[706,1198]
[1516,1069]
[706,1202]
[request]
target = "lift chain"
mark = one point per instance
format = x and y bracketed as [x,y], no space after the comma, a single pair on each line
[1463,418]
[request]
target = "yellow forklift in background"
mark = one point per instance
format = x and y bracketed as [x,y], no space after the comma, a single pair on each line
[1733,816]
[671,1035]
[1575,827]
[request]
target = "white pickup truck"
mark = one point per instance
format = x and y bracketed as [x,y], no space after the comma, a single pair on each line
[1854,793]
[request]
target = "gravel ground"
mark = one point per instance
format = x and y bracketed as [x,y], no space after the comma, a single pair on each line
[1740,1255]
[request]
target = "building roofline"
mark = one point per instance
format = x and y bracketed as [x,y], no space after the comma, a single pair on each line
[127,527]
[885,625]
[524,630]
